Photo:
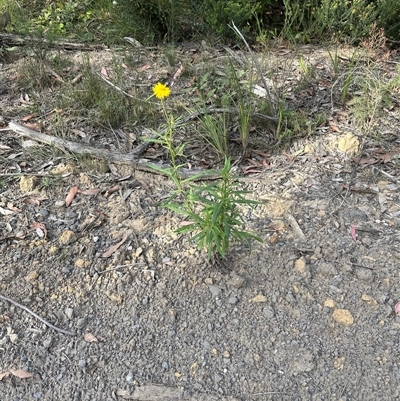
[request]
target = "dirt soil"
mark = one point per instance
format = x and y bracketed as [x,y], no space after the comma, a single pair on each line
[308,315]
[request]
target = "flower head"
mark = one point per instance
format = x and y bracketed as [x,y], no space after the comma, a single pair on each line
[161,91]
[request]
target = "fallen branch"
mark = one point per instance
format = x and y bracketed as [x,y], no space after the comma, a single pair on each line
[26,309]
[14,40]
[131,158]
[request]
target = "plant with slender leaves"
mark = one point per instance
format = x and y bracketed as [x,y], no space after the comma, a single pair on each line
[213,210]
[214,214]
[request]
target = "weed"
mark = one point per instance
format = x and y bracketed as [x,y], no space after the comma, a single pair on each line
[101,104]
[307,75]
[33,75]
[215,131]
[91,164]
[334,57]
[212,210]
[51,181]
[375,91]
[170,54]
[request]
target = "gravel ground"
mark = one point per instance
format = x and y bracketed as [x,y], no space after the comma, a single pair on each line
[299,318]
[308,315]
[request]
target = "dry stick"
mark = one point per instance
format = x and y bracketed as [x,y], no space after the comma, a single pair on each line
[34,175]
[117,88]
[14,40]
[132,157]
[69,333]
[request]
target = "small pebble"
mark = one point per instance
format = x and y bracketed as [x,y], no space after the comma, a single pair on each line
[233,300]
[364,274]
[165,365]
[82,363]
[129,377]
[47,342]
[69,312]
[81,323]
[70,214]
[268,312]
[215,291]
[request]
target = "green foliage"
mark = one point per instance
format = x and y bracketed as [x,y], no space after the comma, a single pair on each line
[158,20]
[375,92]
[389,17]
[219,13]
[63,17]
[155,21]
[214,130]
[213,209]
[351,18]
[305,20]
[298,19]
[214,214]
[93,99]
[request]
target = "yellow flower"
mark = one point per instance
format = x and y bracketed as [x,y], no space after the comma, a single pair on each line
[161,91]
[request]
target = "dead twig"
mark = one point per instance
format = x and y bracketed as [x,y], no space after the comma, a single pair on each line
[26,309]
[120,90]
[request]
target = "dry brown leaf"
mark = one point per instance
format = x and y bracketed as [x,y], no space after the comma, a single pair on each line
[34,201]
[111,190]
[78,132]
[353,232]
[13,208]
[35,126]
[334,128]
[113,248]
[365,160]
[90,338]
[397,308]
[104,72]
[21,373]
[5,212]
[40,229]
[3,375]
[91,192]
[4,318]
[71,195]
[144,67]
[177,74]
[259,299]
[145,186]
[29,116]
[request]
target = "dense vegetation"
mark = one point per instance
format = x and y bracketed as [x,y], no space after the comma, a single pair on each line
[155,21]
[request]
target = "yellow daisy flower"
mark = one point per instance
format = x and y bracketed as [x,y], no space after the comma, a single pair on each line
[161,91]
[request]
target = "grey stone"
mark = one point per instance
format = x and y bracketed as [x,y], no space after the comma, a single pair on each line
[69,312]
[129,377]
[268,312]
[215,291]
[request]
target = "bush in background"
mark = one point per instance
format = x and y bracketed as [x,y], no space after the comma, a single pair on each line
[156,21]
